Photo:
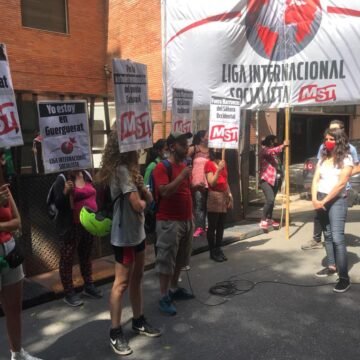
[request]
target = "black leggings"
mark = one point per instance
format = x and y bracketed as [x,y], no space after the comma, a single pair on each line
[270,194]
[215,230]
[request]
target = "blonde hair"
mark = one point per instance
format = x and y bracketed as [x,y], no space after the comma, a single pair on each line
[112,159]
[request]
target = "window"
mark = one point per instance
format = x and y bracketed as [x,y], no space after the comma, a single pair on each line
[48,15]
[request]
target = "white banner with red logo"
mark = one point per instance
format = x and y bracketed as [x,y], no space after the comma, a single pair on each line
[182,107]
[10,131]
[133,119]
[224,127]
[265,53]
[65,135]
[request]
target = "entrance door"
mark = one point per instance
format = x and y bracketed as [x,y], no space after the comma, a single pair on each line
[307,132]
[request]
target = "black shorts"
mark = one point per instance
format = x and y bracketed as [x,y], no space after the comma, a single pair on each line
[126,254]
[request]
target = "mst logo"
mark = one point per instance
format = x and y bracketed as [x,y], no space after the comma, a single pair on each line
[220,132]
[317,94]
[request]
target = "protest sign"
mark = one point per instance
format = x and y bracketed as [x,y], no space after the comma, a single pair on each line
[10,131]
[224,128]
[65,135]
[133,120]
[268,54]
[182,111]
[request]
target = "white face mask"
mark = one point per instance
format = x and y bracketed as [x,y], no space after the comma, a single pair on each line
[166,155]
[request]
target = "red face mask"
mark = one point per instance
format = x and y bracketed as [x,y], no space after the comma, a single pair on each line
[329,145]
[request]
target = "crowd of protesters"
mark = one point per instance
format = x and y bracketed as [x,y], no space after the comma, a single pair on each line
[195,178]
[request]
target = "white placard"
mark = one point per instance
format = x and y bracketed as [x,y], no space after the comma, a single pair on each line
[268,54]
[10,131]
[133,119]
[182,120]
[224,127]
[65,135]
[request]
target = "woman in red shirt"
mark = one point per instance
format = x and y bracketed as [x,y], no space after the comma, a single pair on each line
[11,278]
[218,202]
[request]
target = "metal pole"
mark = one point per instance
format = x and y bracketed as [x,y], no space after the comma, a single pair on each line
[257,152]
[287,172]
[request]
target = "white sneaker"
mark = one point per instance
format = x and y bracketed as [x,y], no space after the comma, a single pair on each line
[22,355]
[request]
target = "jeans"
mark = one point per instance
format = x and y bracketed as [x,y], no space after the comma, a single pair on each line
[270,194]
[317,228]
[199,200]
[333,225]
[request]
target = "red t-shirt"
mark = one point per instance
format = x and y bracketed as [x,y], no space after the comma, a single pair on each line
[179,205]
[5,215]
[222,183]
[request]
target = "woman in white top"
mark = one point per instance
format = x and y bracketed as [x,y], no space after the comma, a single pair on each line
[329,199]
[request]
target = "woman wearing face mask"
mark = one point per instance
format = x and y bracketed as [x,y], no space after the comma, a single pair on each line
[329,199]
[271,175]
[199,153]
[218,202]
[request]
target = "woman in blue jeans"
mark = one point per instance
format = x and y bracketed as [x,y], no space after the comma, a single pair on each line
[329,199]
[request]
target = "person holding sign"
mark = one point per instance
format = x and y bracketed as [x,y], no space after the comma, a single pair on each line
[71,193]
[11,273]
[329,197]
[218,202]
[121,172]
[199,152]
[271,175]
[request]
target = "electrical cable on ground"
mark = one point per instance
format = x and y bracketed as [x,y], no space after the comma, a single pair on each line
[231,288]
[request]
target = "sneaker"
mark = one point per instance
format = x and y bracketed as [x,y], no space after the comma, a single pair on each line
[142,327]
[92,291]
[221,253]
[264,224]
[342,285]
[180,294]
[312,245]
[118,342]
[186,268]
[166,306]
[22,355]
[214,255]
[73,299]
[273,223]
[198,232]
[326,272]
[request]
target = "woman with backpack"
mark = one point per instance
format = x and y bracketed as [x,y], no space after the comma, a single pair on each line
[158,152]
[121,172]
[71,192]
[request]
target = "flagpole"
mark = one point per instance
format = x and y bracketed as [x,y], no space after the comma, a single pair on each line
[287,172]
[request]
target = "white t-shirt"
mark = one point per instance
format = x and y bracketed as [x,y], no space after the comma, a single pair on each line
[329,175]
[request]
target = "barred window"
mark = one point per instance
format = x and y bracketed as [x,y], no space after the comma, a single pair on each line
[48,15]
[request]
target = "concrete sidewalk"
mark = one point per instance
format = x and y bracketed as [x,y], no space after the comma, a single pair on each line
[274,320]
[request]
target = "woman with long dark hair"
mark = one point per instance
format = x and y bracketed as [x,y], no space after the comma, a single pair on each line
[121,172]
[72,191]
[329,199]
[199,153]
[271,175]
[218,202]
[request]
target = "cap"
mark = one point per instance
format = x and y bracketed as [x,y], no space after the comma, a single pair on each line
[176,136]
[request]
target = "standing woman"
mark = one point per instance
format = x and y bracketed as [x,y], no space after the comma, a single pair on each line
[271,175]
[71,194]
[199,152]
[329,199]
[218,202]
[121,173]
[157,153]
[11,278]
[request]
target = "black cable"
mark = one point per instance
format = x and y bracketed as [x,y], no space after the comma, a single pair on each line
[230,288]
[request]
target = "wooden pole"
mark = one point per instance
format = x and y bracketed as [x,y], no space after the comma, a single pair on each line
[287,173]
[163,115]
[223,154]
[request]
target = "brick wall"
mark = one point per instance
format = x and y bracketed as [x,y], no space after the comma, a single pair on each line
[135,33]
[47,61]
